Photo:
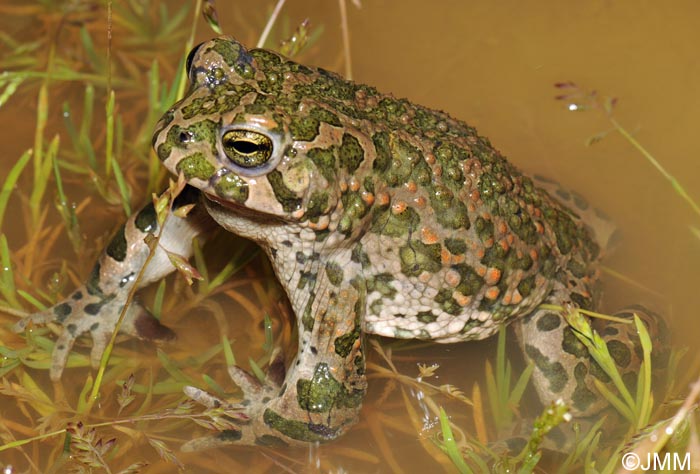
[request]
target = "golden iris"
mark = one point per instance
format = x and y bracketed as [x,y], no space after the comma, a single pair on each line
[247,148]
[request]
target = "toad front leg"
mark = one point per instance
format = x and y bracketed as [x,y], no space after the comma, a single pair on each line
[95,306]
[321,395]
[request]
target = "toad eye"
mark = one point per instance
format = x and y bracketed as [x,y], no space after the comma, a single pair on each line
[246,148]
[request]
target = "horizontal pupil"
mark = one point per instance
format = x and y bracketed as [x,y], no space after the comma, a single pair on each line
[245,147]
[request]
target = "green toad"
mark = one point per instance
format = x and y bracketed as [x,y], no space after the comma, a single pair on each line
[379,217]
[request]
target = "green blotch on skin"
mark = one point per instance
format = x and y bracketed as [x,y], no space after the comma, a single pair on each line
[456,246]
[62,311]
[524,262]
[423,175]
[285,196]
[554,372]
[232,187]
[495,256]
[266,59]
[203,131]
[469,325]
[343,344]
[581,301]
[351,153]
[235,56]
[93,283]
[381,284]
[620,353]
[334,272]
[470,281]
[383,158]
[571,344]
[165,120]
[597,371]
[117,246]
[447,302]
[577,268]
[484,229]
[417,257]
[453,216]
[526,286]
[404,158]
[395,225]
[229,436]
[360,256]
[354,208]
[307,318]
[196,106]
[306,278]
[582,397]
[171,140]
[195,166]
[548,265]
[426,317]
[304,128]
[548,322]
[564,229]
[323,392]
[324,159]
[317,205]
[146,219]
[94,308]
[325,116]
[299,430]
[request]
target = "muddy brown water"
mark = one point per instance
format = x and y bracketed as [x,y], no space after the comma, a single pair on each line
[491,64]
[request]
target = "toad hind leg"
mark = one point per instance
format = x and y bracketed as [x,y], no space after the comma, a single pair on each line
[95,307]
[565,370]
[320,396]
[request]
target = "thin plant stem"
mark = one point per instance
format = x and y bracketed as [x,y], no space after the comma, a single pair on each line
[346,38]
[270,23]
[650,158]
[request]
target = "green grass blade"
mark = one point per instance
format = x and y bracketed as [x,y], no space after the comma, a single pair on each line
[530,463]
[70,220]
[228,351]
[269,337]
[623,408]
[86,122]
[644,379]
[158,300]
[70,127]
[42,180]
[213,385]
[89,47]
[11,181]
[200,263]
[231,267]
[7,277]
[517,393]
[123,188]
[10,89]
[257,371]
[450,446]
[173,370]
[109,147]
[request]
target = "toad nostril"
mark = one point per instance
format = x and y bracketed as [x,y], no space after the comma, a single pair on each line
[185,137]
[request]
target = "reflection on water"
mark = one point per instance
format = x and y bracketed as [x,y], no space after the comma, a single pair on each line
[492,64]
